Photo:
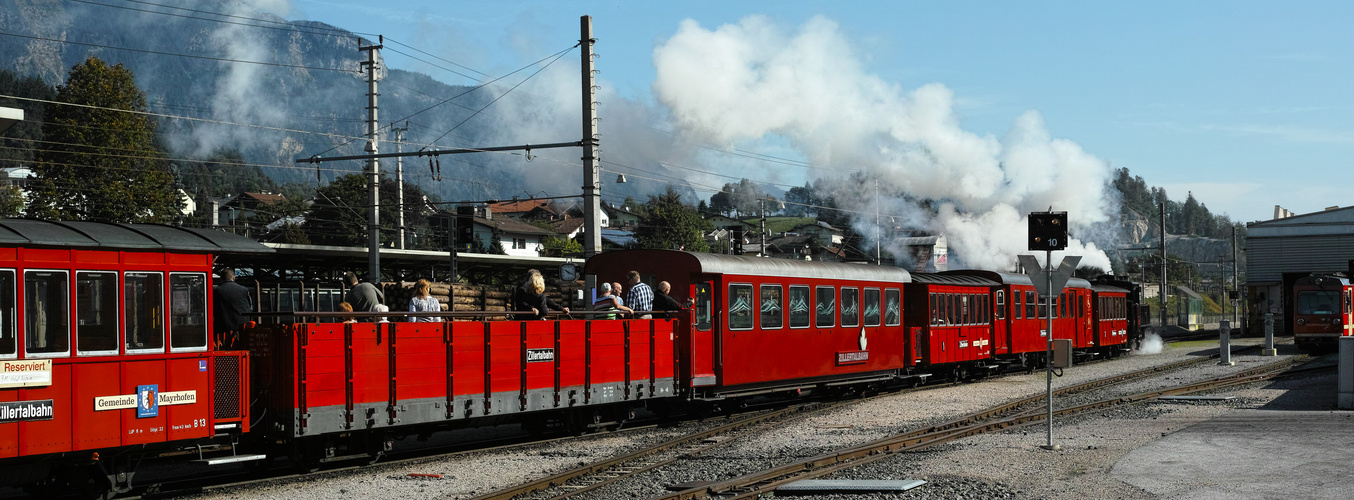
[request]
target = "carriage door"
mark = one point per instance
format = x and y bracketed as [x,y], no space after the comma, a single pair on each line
[704,346]
[1085,317]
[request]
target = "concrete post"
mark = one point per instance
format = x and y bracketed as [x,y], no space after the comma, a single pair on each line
[1269,350]
[1345,386]
[1225,344]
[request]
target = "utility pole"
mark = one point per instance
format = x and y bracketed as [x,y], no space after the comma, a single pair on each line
[399,180]
[1236,285]
[877,235]
[373,167]
[1163,267]
[592,207]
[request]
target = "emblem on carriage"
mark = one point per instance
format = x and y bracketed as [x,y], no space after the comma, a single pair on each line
[862,339]
[146,401]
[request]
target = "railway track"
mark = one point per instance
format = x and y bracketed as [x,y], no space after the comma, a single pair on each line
[595,475]
[757,483]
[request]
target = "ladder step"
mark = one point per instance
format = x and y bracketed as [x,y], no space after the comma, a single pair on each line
[231,459]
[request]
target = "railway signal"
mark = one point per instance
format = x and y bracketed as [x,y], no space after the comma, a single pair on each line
[1048,231]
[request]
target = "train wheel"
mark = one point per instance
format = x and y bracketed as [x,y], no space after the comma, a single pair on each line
[306,456]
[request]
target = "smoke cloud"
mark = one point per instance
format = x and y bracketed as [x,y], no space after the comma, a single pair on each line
[757,81]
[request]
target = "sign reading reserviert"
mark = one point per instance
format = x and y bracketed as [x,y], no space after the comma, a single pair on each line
[25,373]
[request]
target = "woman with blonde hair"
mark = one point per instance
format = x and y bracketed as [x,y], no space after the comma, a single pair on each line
[423,301]
[530,298]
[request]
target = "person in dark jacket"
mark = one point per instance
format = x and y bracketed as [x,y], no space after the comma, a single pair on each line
[530,296]
[230,303]
[665,303]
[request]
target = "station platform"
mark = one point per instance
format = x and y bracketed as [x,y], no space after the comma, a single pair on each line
[1296,446]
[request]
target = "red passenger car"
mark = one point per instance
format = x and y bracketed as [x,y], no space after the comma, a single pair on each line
[764,324]
[105,356]
[1323,309]
[950,316]
[1111,319]
[1017,331]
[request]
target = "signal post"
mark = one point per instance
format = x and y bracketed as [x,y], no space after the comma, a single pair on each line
[1048,232]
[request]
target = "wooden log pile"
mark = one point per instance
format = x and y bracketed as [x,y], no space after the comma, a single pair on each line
[463,297]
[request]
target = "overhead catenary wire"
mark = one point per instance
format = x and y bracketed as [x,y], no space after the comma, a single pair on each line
[190,56]
[283,25]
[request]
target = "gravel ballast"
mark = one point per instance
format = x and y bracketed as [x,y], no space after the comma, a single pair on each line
[1006,464]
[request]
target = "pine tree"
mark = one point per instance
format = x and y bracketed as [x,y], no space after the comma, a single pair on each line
[103,164]
[669,224]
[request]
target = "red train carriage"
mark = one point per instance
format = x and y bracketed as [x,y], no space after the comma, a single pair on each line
[775,324]
[335,390]
[105,356]
[1131,310]
[1110,319]
[1322,309]
[1072,313]
[950,317]
[1017,331]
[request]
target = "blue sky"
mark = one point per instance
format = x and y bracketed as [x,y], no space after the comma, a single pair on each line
[1245,104]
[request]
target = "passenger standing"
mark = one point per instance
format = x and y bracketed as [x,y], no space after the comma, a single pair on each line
[231,301]
[664,302]
[423,301]
[530,296]
[364,297]
[640,297]
[609,302]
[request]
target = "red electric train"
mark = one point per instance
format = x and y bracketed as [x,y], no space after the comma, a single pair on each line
[108,360]
[1323,310]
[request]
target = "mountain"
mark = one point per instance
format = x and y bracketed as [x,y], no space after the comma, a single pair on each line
[308,99]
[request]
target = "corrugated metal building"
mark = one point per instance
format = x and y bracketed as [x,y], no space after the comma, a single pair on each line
[1281,250]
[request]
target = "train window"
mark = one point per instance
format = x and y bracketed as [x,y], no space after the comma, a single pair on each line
[986,309]
[850,308]
[1347,303]
[951,310]
[96,312]
[1001,304]
[47,312]
[893,307]
[1081,307]
[965,309]
[1030,302]
[704,308]
[799,306]
[935,309]
[825,307]
[773,308]
[144,296]
[740,307]
[870,306]
[187,311]
[9,343]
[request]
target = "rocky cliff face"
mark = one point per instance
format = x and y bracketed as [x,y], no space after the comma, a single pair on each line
[308,99]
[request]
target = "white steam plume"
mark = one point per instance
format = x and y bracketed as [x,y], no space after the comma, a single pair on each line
[755,80]
[244,93]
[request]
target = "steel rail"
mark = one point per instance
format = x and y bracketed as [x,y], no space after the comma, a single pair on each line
[615,467]
[757,483]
